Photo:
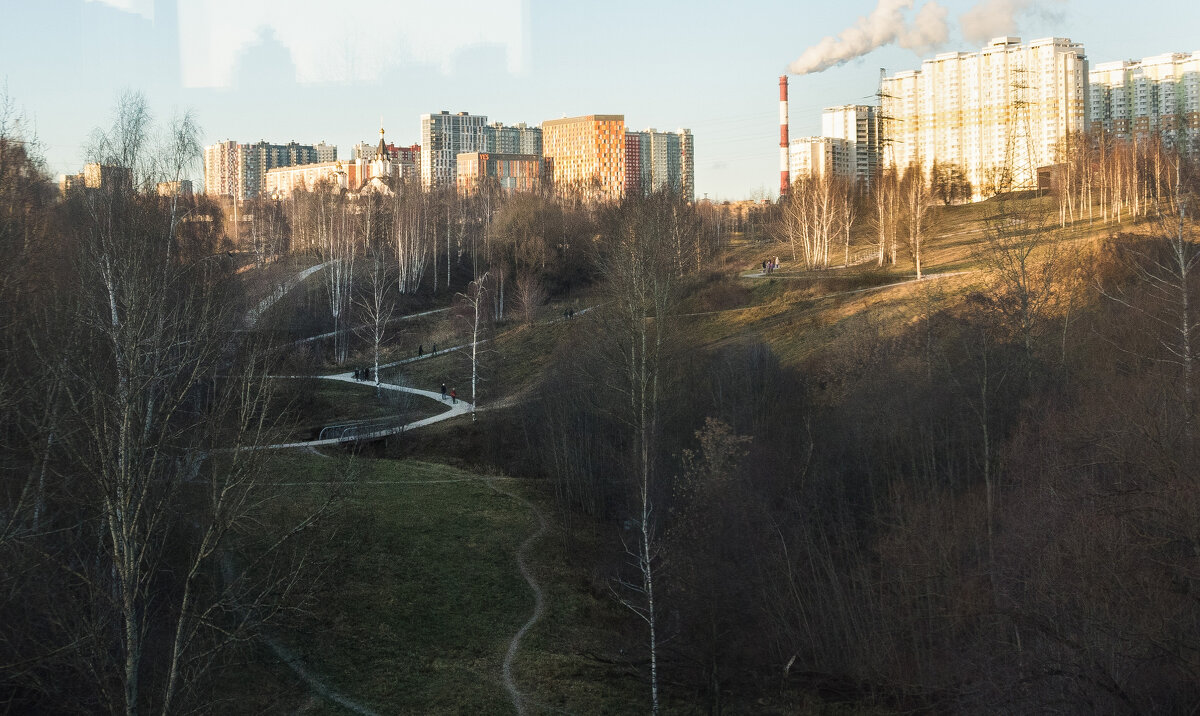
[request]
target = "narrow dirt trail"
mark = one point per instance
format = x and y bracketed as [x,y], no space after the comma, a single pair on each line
[520,701]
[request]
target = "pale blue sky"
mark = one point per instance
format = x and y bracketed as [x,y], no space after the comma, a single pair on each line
[709,66]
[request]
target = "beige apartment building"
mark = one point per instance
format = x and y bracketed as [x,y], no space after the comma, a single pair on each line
[586,155]
[999,113]
[820,157]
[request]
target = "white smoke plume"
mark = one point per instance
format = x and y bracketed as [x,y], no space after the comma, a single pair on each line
[884,26]
[993,18]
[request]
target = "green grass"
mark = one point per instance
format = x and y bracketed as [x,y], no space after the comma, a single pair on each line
[416,614]
[426,595]
[318,403]
[506,365]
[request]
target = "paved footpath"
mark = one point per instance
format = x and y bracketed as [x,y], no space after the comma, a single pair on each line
[454,410]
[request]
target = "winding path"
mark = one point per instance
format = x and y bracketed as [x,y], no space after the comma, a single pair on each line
[519,700]
[462,407]
[539,603]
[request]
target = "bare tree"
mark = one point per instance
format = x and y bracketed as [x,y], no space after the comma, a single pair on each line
[1022,250]
[531,294]
[475,302]
[916,201]
[847,202]
[376,304]
[149,395]
[413,227]
[338,246]
[635,324]
[1165,268]
[885,213]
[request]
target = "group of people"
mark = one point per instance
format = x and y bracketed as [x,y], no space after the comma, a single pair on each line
[568,313]
[362,373]
[453,394]
[421,350]
[769,265]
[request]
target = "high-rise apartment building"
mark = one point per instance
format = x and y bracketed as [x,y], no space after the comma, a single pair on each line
[687,165]
[998,114]
[819,157]
[586,155]
[855,124]
[232,169]
[326,152]
[636,157]
[517,139]
[660,161]
[1158,96]
[220,169]
[443,137]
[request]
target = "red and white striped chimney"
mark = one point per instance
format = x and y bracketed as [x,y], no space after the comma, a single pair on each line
[784,179]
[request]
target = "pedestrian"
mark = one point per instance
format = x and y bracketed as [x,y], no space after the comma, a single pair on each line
[434,349]
[571,313]
[453,396]
[420,350]
[443,392]
[776,262]
[358,373]
[764,266]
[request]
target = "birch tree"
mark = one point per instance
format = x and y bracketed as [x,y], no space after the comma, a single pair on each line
[916,201]
[885,214]
[474,313]
[636,326]
[376,304]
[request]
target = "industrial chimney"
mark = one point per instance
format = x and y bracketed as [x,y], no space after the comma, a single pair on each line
[784,179]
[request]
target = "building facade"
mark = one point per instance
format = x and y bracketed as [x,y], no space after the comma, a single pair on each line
[517,139]
[586,155]
[239,170]
[443,137]
[855,124]
[380,173]
[820,157]
[325,152]
[1156,97]
[181,188]
[998,114]
[509,172]
[660,161]
[100,177]
[635,159]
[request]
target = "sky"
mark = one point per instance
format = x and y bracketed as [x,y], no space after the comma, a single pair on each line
[284,70]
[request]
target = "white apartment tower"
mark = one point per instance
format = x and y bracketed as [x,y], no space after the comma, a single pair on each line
[1159,95]
[998,114]
[443,137]
[819,157]
[855,124]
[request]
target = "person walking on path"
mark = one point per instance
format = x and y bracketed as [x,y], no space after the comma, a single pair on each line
[420,350]
[453,396]
[443,392]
